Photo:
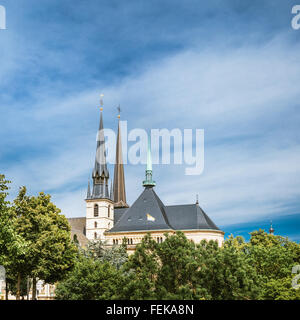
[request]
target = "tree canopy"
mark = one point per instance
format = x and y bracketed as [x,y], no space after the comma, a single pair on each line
[178,268]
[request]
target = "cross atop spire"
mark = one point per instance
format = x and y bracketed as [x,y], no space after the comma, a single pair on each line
[149,182]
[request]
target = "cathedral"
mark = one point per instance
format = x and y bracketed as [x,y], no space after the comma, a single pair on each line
[109,218]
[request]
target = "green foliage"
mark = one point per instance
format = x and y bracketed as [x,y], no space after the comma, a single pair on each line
[34,239]
[140,272]
[51,252]
[115,255]
[35,243]
[273,257]
[91,279]
[179,269]
[13,246]
[96,275]
[226,273]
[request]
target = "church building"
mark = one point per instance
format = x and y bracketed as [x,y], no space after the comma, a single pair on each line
[109,218]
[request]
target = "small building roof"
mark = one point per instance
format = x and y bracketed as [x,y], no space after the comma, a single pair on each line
[149,213]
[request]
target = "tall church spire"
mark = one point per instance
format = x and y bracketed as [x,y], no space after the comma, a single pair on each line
[149,182]
[119,179]
[100,172]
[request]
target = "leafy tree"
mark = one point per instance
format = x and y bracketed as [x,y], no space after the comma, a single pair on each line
[280,289]
[179,262]
[51,252]
[273,258]
[115,255]
[91,279]
[226,273]
[13,246]
[179,269]
[97,274]
[140,272]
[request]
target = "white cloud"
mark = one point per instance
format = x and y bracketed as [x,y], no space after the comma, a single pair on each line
[243,97]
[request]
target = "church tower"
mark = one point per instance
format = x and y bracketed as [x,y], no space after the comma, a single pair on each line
[99,205]
[119,194]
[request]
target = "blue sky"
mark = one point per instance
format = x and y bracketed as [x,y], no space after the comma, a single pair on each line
[229,67]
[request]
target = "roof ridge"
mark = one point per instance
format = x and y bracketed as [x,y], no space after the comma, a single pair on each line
[181,205]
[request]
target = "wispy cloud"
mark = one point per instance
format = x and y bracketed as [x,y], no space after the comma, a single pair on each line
[241,88]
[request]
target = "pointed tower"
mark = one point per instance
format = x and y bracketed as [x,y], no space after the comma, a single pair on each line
[148,213]
[99,206]
[100,172]
[149,182]
[119,193]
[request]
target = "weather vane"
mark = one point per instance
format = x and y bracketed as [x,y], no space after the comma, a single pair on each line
[101,101]
[119,111]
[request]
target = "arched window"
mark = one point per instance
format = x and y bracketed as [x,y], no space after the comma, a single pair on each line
[96,210]
[96,224]
[109,211]
[161,240]
[95,235]
[131,241]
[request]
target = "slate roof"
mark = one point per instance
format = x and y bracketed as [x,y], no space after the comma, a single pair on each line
[189,217]
[178,217]
[135,217]
[118,213]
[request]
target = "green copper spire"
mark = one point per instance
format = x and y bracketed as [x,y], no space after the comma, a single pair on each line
[149,182]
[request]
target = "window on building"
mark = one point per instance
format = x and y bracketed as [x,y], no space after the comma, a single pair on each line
[96,225]
[109,211]
[95,235]
[96,210]
[159,240]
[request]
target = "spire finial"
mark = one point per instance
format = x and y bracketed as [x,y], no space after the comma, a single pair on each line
[197,199]
[119,112]
[149,182]
[101,101]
